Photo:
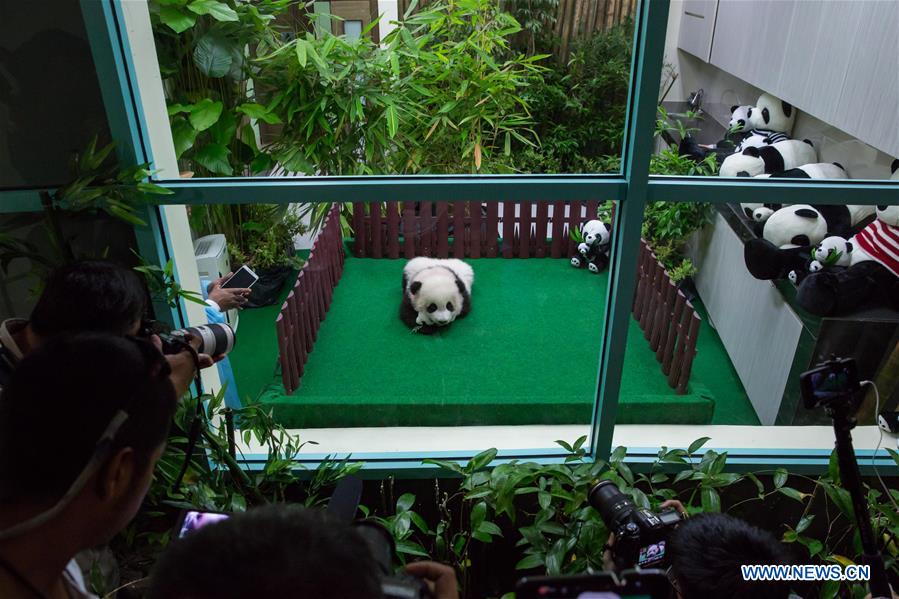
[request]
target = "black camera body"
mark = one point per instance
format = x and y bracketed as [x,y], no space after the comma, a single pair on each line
[215,339]
[394,585]
[832,384]
[641,535]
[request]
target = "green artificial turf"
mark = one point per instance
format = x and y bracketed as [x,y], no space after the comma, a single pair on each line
[527,354]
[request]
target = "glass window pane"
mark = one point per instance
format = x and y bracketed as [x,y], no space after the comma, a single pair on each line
[352,29]
[276,90]
[807,101]
[728,314]
[50,102]
[492,340]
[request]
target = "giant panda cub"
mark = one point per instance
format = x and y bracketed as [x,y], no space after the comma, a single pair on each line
[435,293]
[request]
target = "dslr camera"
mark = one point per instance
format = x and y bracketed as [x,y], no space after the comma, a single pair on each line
[394,585]
[215,339]
[641,535]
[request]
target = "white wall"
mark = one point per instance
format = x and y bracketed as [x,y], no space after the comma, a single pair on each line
[861,160]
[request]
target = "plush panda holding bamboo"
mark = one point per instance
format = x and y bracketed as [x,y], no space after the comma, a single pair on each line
[435,293]
[593,252]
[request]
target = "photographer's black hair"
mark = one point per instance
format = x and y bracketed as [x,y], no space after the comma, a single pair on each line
[60,399]
[279,550]
[89,295]
[707,552]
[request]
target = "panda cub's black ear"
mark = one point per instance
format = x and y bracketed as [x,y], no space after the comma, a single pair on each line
[460,285]
[894,166]
[733,108]
[752,151]
[414,287]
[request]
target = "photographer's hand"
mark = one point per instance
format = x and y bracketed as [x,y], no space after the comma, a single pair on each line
[440,577]
[182,365]
[677,505]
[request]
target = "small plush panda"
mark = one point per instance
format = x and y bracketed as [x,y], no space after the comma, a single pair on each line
[833,251]
[739,119]
[435,293]
[775,158]
[594,250]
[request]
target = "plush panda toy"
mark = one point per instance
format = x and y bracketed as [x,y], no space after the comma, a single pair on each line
[594,250]
[773,115]
[871,278]
[832,251]
[739,119]
[769,121]
[435,293]
[781,156]
[759,213]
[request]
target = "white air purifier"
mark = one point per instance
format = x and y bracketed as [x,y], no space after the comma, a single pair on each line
[211,253]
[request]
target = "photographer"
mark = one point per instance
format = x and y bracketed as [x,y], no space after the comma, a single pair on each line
[83,421]
[283,551]
[706,552]
[89,295]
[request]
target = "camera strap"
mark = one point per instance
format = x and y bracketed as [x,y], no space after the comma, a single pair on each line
[193,434]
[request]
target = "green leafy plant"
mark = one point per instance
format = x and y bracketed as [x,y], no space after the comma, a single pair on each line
[260,235]
[164,286]
[581,108]
[205,49]
[100,184]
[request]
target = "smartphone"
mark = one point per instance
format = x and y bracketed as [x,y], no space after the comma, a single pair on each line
[193,520]
[244,278]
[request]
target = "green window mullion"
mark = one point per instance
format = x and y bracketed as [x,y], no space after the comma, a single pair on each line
[776,191]
[649,46]
[393,189]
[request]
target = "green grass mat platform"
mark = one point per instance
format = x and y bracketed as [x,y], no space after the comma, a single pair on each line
[527,354]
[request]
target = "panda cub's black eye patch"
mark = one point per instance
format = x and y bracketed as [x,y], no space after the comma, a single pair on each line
[449,306]
[432,308]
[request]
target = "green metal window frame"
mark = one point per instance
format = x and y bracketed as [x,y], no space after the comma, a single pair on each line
[632,188]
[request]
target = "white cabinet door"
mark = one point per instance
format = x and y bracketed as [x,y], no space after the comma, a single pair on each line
[750,39]
[868,107]
[836,60]
[696,27]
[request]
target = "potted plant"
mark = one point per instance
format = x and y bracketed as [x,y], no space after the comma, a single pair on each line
[260,236]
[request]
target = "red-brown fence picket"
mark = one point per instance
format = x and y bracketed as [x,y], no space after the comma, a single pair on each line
[467,229]
[308,302]
[669,322]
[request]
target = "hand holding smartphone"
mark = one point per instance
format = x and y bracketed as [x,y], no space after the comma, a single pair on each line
[244,278]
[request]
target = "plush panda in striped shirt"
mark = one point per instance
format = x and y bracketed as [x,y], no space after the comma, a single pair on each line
[872,276]
[769,121]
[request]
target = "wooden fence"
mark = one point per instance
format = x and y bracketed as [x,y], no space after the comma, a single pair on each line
[668,320]
[468,229]
[491,230]
[308,302]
